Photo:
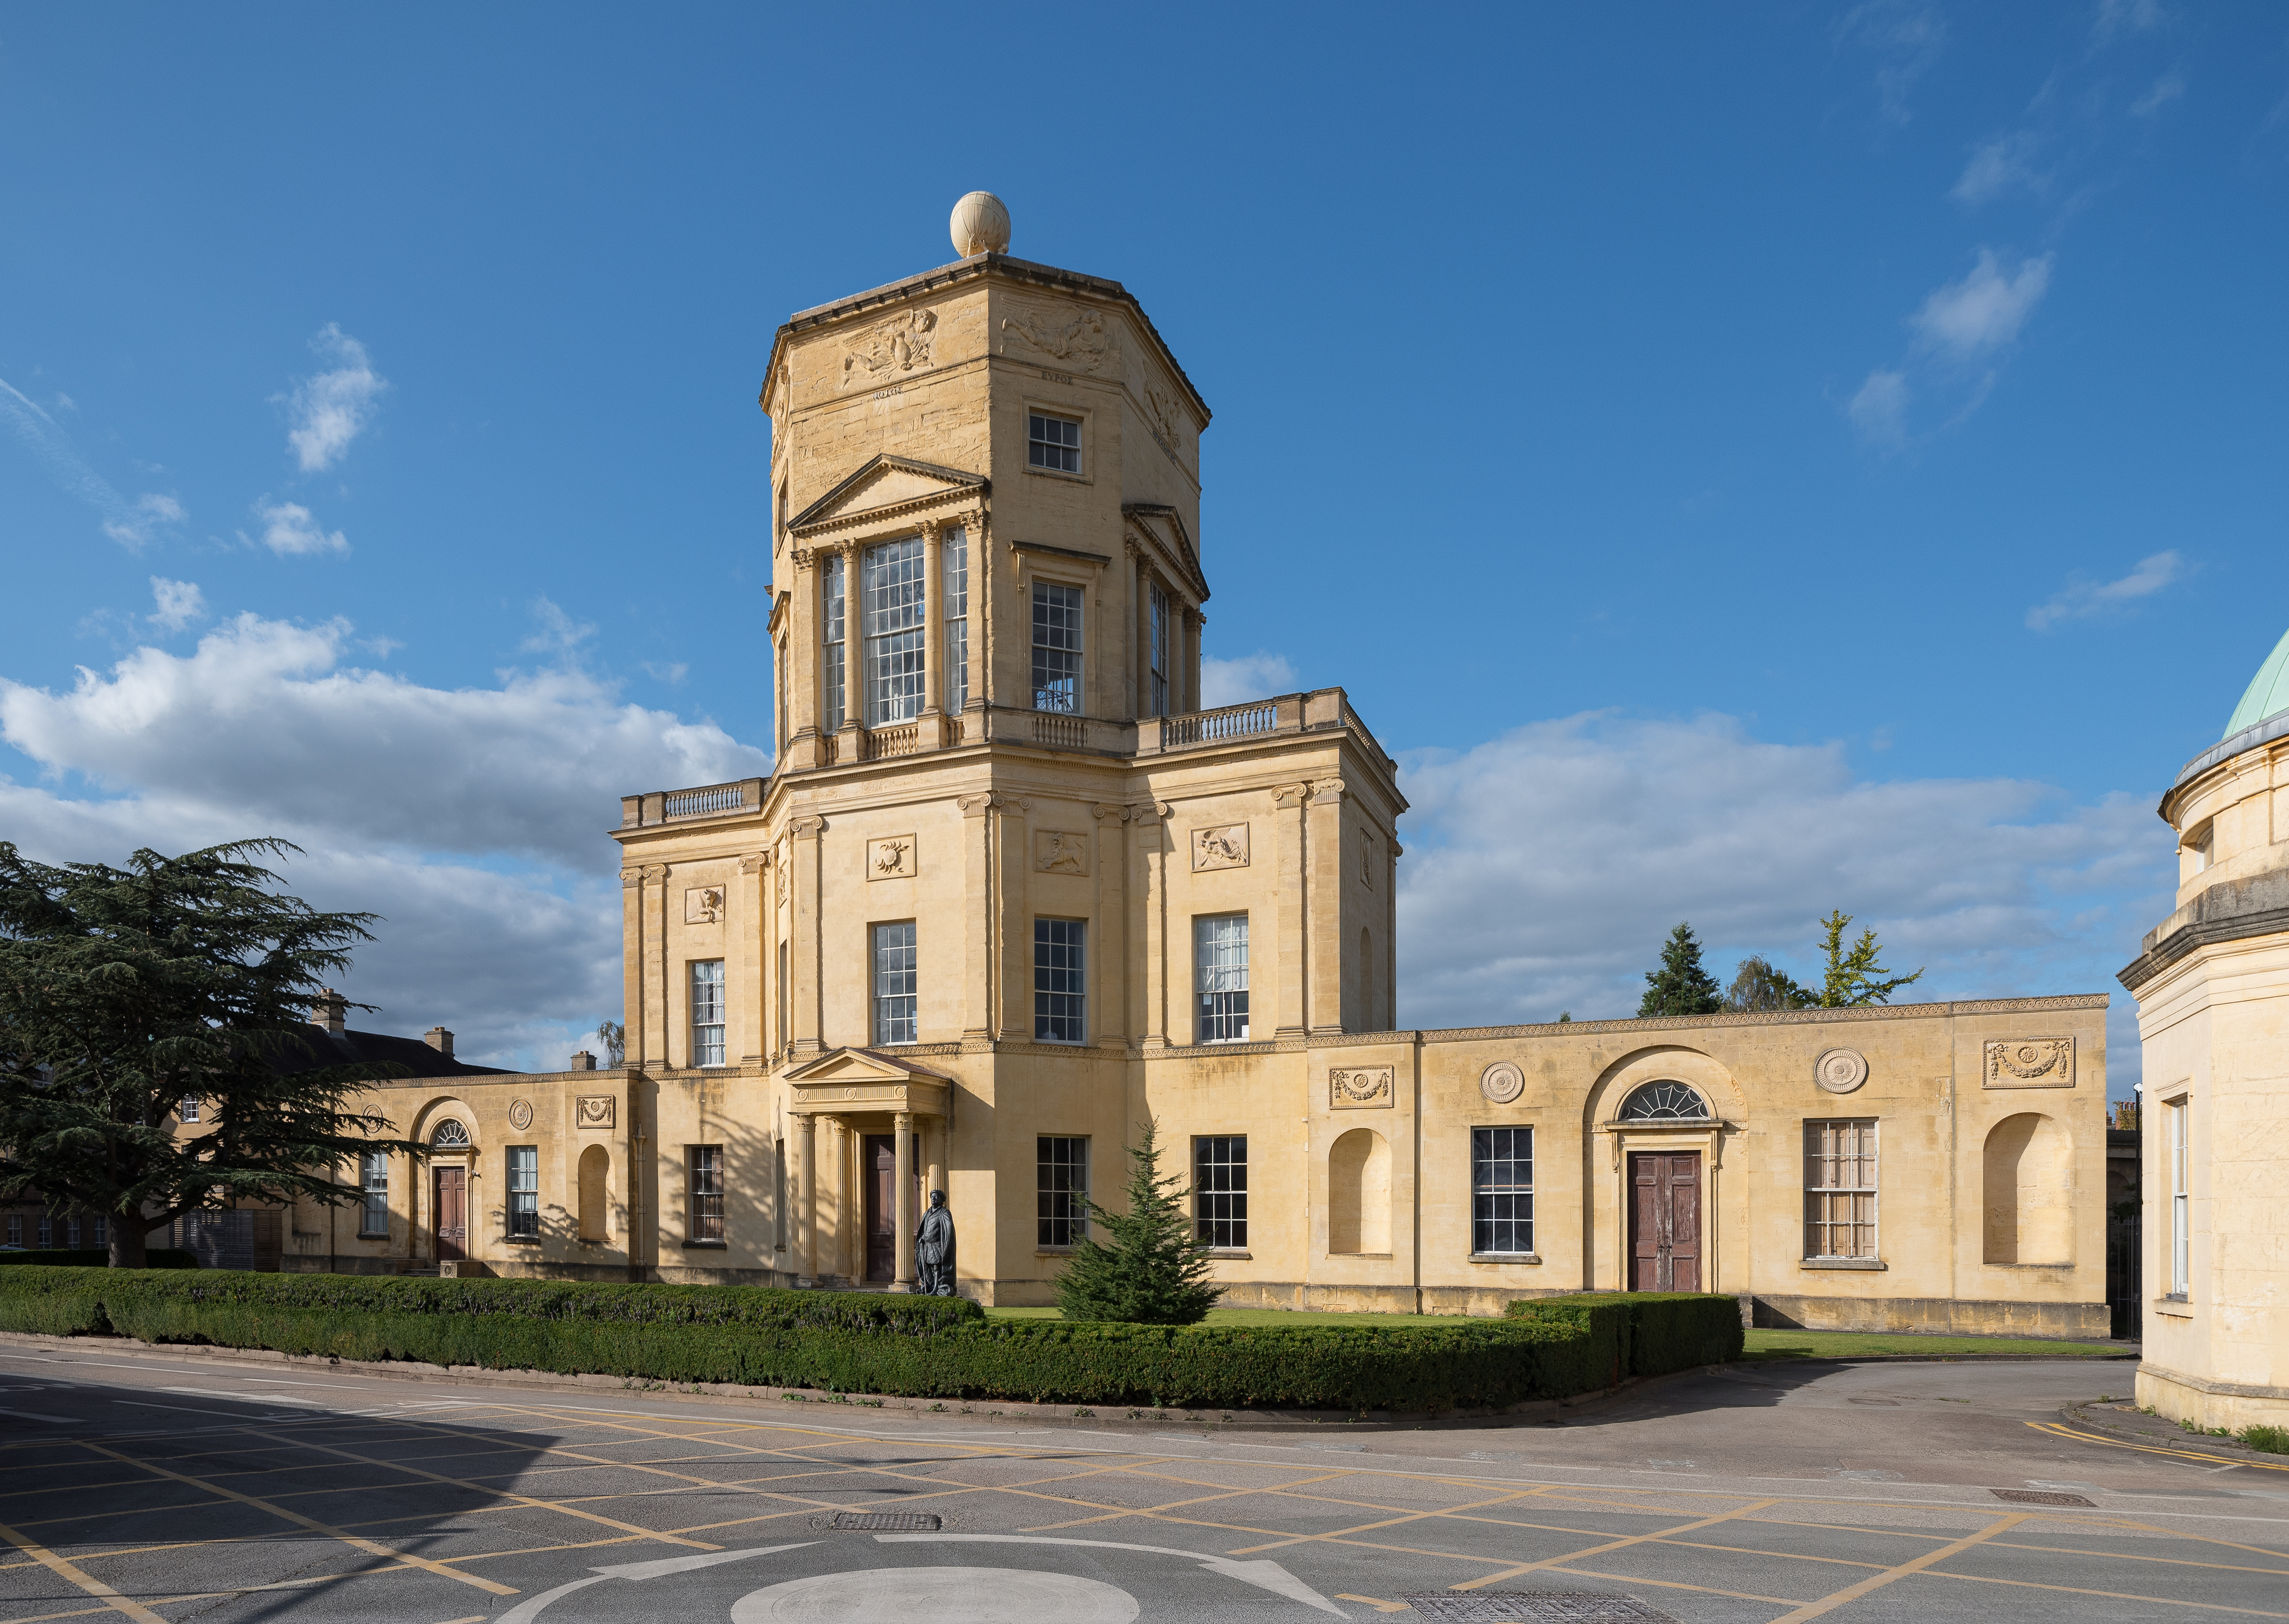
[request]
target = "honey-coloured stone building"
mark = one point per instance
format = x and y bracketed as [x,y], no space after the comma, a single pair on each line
[1011,892]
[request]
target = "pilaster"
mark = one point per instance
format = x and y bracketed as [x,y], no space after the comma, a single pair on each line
[803,937]
[1323,849]
[902,1203]
[1012,929]
[1287,820]
[978,944]
[653,995]
[1110,945]
[933,632]
[632,980]
[751,990]
[1148,925]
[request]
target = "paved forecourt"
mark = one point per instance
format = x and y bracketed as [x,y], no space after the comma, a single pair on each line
[157,1486]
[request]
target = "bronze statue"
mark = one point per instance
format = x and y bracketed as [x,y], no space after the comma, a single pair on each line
[934,1248]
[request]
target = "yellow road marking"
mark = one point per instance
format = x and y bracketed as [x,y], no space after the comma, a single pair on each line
[1610,1545]
[1914,1564]
[507,1494]
[88,1582]
[1369,1601]
[2060,1430]
[316,1527]
[2119,1596]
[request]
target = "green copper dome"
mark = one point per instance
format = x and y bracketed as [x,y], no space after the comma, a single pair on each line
[2268,693]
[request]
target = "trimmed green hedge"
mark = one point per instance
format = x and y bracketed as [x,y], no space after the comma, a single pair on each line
[1654,1332]
[98,1257]
[858,1342]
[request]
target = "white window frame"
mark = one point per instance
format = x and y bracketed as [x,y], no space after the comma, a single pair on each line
[1484,1192]
[1219,979]
[2177,1146]
[1046,697]
[1061,1191]
[522,1164]
[1053,442]
[1220,1203]
[953,587]
[895,985]
[1836,1148]
[834,629]
[705,981]
[1161,612]
[373,1203]
[894,608]
[703,1181]
[1054,983]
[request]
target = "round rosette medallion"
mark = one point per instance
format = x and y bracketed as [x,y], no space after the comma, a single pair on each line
[1840,1070]
[520,1114]
[1502,1082]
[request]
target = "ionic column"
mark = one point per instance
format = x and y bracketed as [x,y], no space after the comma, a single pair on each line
[902,1204]
[933,632]
[854,651]
[1140,666]
[847,1239]
[805,1226]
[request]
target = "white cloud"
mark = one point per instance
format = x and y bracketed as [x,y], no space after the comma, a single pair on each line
[559,633]
[671,672]
[331,408]
[132,524]
[2001,165]
[290,531]
[264,727]
[2118,17]
[2080,598]
[1252,676]
[1906,40]
[1986,310]
[178,603]
[1545,868]
[2166,90]
[1879,408]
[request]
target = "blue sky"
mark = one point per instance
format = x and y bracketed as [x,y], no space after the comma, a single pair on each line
[1746,460]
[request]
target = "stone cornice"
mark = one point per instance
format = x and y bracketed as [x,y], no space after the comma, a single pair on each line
[2189,939]
[1184,562]
[962,487]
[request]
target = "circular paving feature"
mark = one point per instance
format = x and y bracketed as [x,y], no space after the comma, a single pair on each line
[942,1595]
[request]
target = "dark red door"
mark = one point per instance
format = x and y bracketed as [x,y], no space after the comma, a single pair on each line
[881,1166]
[452,1214]
[1665,1220]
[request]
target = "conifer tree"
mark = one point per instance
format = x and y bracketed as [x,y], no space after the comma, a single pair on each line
[1681,986]
[1853,976]
[1151,1268]
[124,992]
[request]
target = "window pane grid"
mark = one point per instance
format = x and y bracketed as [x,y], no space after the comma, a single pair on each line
[835,588]
[1220,1190]
[954,553]
[1220,977]
[2180,1202]
[1158,698]
[524,1190]
[1063,1187]
[894,606]
[1501,1190]
[1056,647]
[706,1215]
[898,984]
[373,1177]
[1060,981]
[1052,442]
[707,1012]
[1839,1190]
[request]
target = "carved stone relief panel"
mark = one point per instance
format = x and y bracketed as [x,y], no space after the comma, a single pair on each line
[1060,851]
[895,858]
[1360,1088]
[594,1110]
[1075,335]
[520,1114]
[703,905]
[1502,1082]
[1840,1070]
[891,348]
[2028,1063]
[1221,847]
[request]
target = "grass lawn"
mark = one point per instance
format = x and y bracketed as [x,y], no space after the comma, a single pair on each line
[1761,1344]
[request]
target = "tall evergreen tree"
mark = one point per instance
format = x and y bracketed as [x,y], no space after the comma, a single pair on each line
[1681,986]
[1854,977]
[1151,1269]
[124,992]
[1759,985]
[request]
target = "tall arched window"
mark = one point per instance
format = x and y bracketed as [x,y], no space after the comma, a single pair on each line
[1664,1102]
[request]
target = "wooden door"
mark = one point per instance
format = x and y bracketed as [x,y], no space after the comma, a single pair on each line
[1665,1220]
[453,1209]
[882,1164]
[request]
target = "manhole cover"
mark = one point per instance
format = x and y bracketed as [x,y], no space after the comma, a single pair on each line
[2040,1497]
[886,1522]
[1567,1607]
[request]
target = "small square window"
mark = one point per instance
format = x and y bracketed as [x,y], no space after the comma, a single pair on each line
[1052,442]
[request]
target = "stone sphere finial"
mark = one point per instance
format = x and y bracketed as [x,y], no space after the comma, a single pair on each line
[980,226]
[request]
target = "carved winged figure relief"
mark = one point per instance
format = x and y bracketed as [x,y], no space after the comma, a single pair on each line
[1082,341]
[900,345]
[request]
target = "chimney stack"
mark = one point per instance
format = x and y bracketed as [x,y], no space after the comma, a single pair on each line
[438,1038]
[584,1062]
[329,1012]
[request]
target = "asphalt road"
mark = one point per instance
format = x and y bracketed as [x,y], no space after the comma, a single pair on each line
[178,1486]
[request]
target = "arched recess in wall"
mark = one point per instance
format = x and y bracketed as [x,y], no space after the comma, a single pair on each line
[2028,1191]
[1358,1193]
[595,1182]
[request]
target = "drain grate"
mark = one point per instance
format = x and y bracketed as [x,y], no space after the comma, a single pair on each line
[2040,1497]
[1534,1607]
[886,1522]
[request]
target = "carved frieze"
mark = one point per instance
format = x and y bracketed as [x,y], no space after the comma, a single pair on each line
[1225,846]
[1840,1070]
[594,1111]
[890,348]
[1059,851]
[703,905]
[895,858]
[1076,335]
[520,1114]
[2028,1063]
[1360,1088]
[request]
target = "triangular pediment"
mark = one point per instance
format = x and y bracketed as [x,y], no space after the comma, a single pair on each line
[879,487]
[856,1065]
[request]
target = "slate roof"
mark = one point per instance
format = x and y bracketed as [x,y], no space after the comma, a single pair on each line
[347,1048]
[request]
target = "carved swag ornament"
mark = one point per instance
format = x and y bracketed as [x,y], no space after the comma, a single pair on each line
[1359,1088]
[2029,1063]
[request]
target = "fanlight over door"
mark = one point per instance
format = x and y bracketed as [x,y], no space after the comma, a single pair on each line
[1665,1102]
